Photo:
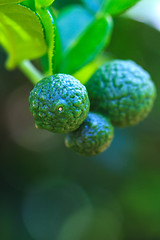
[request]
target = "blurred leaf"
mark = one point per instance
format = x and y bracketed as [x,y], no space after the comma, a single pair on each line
[37,3]
[57,57]
[110,6]
[21,39]
[29,3]
[143,49]
[77,17]
[87,71]
[60,4]
[88,45]
[116,7]
[93,5]
[43,3]
[47,18]
[3,2]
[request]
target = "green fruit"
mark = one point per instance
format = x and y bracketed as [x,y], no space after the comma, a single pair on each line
[123,91]
[92,137]
[59,103]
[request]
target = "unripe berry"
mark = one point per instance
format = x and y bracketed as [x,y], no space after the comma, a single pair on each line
[92,137]
[123,91]
[59,103]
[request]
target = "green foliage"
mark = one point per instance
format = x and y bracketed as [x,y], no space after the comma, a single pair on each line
[48,22]
[81,43]
[43,3]
[36,4]
[147,44]
[112,7]
[76,16]
[116,7]
[93,5]
[29,3]
[59,103]
[22,38]
[3,2]
[88,45]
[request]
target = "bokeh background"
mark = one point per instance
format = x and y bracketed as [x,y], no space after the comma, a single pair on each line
[48,192]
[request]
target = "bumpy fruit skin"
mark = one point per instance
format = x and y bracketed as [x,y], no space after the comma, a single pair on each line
[59,103]
[92,137]
[123,91]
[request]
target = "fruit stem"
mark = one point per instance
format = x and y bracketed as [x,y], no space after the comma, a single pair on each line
[30,71]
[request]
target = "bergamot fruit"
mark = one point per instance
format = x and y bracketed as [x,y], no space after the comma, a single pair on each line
[123,91]
[92,137]
[59,103]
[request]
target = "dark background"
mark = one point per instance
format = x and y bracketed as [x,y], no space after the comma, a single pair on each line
[48,192]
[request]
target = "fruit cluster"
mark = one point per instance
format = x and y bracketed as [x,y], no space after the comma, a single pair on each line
[120,92]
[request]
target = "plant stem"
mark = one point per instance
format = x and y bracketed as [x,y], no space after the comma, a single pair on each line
[30,71]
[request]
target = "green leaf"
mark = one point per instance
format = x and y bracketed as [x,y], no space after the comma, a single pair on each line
[47,18]
[111,7]
[21,34]
[93,5]
[77,17]
[85,73]
[143,49]
[43,3]
[114,7]
[29,3]
[88,45]
[3,2]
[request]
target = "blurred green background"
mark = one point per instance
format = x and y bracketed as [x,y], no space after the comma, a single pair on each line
[49,192]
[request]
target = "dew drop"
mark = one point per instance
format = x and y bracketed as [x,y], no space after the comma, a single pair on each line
[60,109]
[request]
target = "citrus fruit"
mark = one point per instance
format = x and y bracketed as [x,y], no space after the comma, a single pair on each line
[92,137]
[59,103]
[123,91]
